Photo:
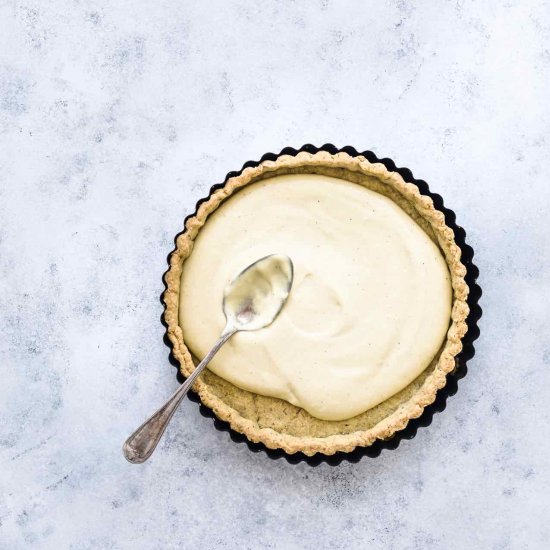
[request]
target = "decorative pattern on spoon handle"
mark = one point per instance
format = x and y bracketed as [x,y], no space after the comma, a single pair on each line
[141,444]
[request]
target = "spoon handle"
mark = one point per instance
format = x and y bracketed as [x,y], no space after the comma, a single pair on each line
[141,444]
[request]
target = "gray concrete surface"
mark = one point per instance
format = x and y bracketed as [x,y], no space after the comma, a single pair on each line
[114,118]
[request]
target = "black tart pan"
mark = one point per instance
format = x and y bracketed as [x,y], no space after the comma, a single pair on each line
[462,358]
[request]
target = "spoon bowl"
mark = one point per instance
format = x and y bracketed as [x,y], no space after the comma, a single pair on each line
[256,296]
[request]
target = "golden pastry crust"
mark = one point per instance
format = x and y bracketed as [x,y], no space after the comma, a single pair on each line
[276,423]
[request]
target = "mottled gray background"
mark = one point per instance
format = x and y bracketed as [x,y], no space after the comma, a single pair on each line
[115,116]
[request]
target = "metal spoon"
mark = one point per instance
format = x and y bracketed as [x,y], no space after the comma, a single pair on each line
[250,302]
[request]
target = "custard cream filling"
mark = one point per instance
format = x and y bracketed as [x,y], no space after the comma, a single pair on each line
[369,308]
